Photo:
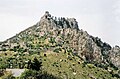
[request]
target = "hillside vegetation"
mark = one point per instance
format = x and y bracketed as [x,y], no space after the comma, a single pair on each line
[55,48]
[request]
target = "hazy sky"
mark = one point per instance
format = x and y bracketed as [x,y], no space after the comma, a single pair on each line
[98,17]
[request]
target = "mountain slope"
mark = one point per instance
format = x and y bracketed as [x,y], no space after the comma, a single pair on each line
[54,37]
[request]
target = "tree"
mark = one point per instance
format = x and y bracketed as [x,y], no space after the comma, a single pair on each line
[35,65]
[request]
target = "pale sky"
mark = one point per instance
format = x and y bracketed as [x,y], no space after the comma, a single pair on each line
[100,18]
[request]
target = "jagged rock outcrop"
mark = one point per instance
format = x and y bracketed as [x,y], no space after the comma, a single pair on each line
[60,23]
[63,33]
[114,56]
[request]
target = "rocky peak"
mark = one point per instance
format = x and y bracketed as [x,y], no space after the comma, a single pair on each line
[46,15]
[60,22]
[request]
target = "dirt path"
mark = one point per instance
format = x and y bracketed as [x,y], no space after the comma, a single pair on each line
[16,72]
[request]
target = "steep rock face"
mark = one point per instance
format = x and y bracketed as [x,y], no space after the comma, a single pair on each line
[79,40]
[114,56]
[66,35]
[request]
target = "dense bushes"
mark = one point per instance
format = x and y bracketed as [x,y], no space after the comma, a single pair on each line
[29,74]
[33,74]
[35,71]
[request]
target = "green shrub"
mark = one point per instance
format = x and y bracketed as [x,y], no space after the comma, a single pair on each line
[57,50]
[33,74]
[28,74]
[52,40]
[3,65]
[9,75]
[4,49]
